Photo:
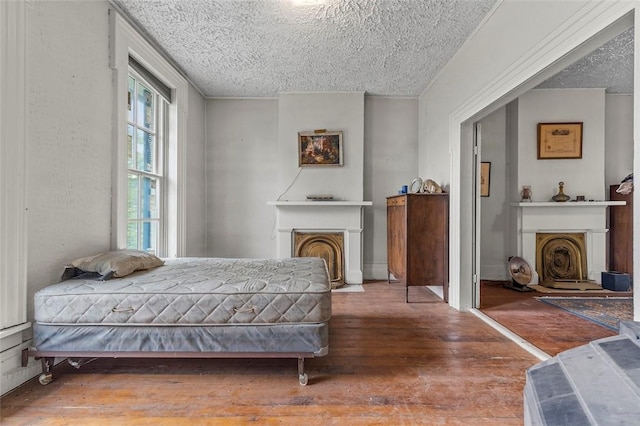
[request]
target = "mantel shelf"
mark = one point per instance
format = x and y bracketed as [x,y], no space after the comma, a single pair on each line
[570,204]
[323,203]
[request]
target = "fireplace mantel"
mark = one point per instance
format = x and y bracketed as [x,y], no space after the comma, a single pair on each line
[327,203]
[570,204]
[587,217]
[324,216]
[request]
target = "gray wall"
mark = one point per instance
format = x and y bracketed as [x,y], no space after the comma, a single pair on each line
[494,208]
[242,168]
[619,138]
[390,161]
[196,176]
[70,143]
[242,173]
[343,111]
[69,148]
[583,176]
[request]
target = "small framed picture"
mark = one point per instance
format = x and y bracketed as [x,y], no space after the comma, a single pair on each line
[559,141]
[485,178]
[319,149]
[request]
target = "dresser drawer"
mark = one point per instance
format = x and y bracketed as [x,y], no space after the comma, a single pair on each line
[396,201]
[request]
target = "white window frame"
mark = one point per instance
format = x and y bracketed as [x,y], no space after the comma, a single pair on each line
[126,41]
[160,147]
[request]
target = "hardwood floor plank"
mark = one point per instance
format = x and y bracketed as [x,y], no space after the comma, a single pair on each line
[550,329]
[389,362]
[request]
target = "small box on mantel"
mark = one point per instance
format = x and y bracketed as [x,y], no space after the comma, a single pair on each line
[616,281]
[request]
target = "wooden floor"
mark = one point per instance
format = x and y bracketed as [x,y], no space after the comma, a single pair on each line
[550,329]
[389,363]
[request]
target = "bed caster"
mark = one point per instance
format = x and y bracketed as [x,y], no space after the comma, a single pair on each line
[304,379]
[45,378]
[47,365]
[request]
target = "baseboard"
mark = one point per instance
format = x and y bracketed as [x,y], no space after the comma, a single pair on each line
[375,271]
[12,372]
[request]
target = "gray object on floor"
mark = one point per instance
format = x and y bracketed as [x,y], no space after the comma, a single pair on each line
[594,384]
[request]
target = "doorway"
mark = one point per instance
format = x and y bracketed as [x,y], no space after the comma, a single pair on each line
[500,145]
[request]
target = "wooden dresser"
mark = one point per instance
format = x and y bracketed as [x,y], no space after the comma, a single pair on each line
[417,240]
[621,233]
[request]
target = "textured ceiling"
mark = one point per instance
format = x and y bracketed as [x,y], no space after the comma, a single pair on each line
[256,48]
[610,66]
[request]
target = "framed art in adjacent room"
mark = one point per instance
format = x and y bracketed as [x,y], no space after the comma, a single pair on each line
[485,178]
[319,148]
[559,141]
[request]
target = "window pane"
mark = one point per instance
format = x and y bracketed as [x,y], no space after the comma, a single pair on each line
[149,237]
[133,197]
[149,198]
[146,107]
[132,235]
[145,151]
[130,98]
[131,152]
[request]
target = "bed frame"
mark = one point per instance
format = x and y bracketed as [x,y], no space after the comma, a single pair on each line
[78,359]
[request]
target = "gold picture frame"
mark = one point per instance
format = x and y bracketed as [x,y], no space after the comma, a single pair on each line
[485,178]
[319,148]
[558,141]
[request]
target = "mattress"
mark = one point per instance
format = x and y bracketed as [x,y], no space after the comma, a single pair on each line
[202,292]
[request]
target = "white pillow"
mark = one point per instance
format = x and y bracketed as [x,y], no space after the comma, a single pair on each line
[118,263]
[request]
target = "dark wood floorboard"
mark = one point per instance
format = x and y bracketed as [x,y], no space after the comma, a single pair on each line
[549,328]
[389,363]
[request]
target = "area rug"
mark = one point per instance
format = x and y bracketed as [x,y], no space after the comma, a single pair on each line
[605,311]
[548,290]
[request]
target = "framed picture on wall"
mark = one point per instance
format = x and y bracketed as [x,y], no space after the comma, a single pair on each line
[559,141]
[319,148]
[485,178]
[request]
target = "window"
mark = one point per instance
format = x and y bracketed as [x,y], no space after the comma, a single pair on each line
[152,151]
[146,134]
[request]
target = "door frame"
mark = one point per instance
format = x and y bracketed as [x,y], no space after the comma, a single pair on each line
[476,233]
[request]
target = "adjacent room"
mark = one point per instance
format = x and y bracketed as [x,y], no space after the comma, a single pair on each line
[314,211]
[597,88]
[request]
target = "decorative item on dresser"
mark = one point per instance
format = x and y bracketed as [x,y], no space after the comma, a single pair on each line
[417,240]
[621,232]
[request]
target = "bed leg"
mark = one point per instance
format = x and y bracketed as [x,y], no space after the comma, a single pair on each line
[47,376]
[25,357]
[302,376]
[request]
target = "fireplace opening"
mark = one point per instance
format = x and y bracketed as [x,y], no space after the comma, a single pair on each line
[327,245]
[561,257]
